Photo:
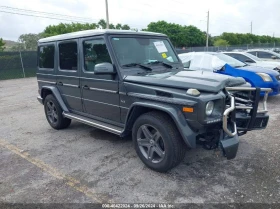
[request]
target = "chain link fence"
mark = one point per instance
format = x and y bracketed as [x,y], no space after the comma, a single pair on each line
[17,64]
[274,46]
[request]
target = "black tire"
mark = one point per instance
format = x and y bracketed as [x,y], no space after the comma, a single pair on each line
[54,114]
[170,144]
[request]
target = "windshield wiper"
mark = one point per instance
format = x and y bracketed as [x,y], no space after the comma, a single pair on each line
[161,62]
[137,65]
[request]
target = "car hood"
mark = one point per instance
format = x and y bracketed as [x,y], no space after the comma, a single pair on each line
[268,63]
[258,69]
[201,80]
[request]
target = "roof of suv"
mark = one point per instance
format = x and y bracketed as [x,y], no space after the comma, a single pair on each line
[86,33]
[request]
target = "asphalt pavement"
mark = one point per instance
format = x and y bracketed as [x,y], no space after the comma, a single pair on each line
[82,164]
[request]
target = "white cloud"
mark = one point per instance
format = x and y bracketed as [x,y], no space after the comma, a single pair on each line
[225,15]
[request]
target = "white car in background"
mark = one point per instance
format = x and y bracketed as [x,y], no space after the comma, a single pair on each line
[253,60]
[265,54]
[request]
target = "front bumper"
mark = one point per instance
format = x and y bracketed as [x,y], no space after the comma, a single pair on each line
[257,119]
[235,124]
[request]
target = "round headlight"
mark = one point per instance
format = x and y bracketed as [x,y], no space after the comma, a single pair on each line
[209,108]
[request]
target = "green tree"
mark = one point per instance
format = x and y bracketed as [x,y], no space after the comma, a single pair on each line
[102,23]
[178,34]
[63,28]
[2,45]
[221,42]
[28,41]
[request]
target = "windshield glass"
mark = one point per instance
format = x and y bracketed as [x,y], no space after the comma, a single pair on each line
[229,60]
[142,50]
[253,57]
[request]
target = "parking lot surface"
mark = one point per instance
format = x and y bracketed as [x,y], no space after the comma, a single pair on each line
[82,164]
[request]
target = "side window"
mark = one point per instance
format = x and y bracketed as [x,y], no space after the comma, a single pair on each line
[95,52]
[264,55]
[68,56]
[46,56]
[253,53]
[239,57]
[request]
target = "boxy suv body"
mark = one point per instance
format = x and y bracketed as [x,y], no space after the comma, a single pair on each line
[133,82]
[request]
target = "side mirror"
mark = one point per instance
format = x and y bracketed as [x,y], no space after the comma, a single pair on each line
[104,68]
[273,57]
[250,61]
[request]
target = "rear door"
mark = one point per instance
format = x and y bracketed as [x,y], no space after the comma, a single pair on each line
[68,81]
[99,92]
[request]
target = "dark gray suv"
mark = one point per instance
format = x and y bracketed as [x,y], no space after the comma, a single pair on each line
[133,82]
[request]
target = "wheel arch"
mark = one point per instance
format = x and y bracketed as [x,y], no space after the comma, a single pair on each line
[46,90]
[139,108]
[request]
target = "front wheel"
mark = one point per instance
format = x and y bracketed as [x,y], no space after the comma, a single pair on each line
[157,141]
[53,113]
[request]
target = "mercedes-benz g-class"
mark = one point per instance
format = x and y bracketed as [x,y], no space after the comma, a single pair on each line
[133,82]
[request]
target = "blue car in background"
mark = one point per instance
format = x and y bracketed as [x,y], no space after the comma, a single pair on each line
[224,64]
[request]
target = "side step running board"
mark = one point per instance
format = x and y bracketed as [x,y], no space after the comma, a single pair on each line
[95,123]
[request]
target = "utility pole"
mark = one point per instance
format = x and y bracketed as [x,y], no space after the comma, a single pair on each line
[207,35]
[251,27]
[107,14]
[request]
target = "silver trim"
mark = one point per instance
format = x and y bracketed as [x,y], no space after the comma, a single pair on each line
[66,95]
[50,82]
[122,93]
[44,74]
[112,130]
[71,85]
[266,90]
[100,102]
[103,90]
[233,107]
[225,118]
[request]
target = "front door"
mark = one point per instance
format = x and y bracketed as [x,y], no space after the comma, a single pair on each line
[67,79]
[99,92]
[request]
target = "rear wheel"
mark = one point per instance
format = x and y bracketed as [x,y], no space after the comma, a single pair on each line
[157,141]
[53,113]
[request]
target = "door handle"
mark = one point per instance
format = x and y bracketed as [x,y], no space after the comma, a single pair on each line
[85,87]
[60,83]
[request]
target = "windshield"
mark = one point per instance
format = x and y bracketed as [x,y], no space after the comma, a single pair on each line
[142,50]
[229,60]
[252,57]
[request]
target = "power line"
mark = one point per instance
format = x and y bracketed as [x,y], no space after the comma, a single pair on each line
[44,13]
[54,18]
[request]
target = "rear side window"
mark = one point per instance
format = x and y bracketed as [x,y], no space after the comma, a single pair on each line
[46,56]
[68,56]
[264,55]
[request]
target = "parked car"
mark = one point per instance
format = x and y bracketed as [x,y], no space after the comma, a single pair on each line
[223,64]
[263,54]
[253,60]
[133,82]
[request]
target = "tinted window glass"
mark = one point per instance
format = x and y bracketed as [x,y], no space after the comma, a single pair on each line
[253,53]
[239,57]
[46,56]
[95,52]
[264,55]
[68,56]
[143,50]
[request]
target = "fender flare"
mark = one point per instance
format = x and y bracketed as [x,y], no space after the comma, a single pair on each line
[188,135]
[56,94]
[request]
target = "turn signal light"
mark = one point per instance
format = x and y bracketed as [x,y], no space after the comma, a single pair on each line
[187,109]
